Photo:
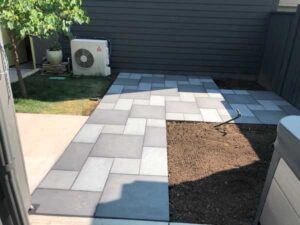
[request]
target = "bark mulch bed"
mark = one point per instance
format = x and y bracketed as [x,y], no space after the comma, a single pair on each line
[238,84]
[216,175]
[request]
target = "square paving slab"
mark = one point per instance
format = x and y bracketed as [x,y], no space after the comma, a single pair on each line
[135,197]
[118,146]
[58,179]
[66,203]
[106,116]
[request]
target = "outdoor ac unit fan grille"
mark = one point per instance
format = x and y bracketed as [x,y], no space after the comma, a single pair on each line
[84,58]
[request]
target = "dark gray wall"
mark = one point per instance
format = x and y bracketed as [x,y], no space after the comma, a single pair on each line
[281,68]
[191,36]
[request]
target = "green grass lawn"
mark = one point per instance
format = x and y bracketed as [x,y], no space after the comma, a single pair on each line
[69,96]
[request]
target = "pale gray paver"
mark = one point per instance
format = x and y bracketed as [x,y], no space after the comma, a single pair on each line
[175,116]
[129,94]
[154,162]
[156,123]
[192,117]
[157,100]
[210,115]
[181,107]
[269,117]
[89,133]
[289,109]
[148,112]
[124,104]
[165,91]
[212,103]
[240,99]
[135,197]
[141,102]
[187,97]
[265,95]
[118,146]
[244,110]
[104,105]
[113,129]
[63,202]
[111,117]
[126,166]
[269,105]
[110,98]
[255,107]
[58,179]
[135,126]
[74,157]
[155,137]
[93,175]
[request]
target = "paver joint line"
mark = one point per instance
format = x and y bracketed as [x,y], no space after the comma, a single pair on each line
[119,156]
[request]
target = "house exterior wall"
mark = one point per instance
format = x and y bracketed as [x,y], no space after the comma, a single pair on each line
[207,37]
[288,5]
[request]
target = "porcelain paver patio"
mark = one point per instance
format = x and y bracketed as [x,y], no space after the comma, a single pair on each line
[122,168]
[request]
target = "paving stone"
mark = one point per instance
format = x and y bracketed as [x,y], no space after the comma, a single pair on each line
[104,105]
[74,157]
[175,116]
[176,77]
[58,179]
[61,202]
[226,91]
[153,80]
[227,112]
[135,76]
[126,81]
[212,103]
[123,75]
[255,107]
[135,126]
[130,88]
[210,115]
[214,93]
[118,146]
[181,107]
[195,81]
[241,92]
[269,117]
[110,98]
[144,86]
[158,85]
[158,75]
[244,110]
[170,84]
[210,85]
[124,104]
[173,98]
[201,95]
[147,75]
[207,80]
[165,91]
[154,162]
[281,102]
[128,222]
[113,129]
[156,123]
[89,133]
[126,166]
[240,99]
[135,197]
[265,95]
[115,89]
[183,82]
[147,111]
[191,88]
[93,175]
[155,137]
[269,105]
[291,110]
[111,117]
[241,120]
[187,97]
[128,94]
[192,117]
[157,100]
[141,102]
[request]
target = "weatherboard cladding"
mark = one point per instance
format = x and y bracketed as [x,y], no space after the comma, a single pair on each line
[191,36]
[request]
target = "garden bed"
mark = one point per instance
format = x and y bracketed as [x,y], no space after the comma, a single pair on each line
[216,175]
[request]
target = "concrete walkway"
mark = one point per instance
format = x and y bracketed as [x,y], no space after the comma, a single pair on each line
[116,166]
[44,138]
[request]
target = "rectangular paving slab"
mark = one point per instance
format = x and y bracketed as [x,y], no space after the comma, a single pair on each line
[106,116]
[135,197]
[59,179]
[155,137]
[89,133]
[118,146]
[148,112]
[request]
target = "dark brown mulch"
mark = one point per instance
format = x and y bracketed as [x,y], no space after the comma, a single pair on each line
[217,174]
[238,84]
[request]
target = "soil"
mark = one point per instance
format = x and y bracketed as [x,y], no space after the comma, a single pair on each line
[216,175]
[238,84]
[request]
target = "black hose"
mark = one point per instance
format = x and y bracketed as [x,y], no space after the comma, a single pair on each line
[228,121]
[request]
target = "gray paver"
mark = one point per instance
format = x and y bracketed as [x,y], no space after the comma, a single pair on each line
[289,109]
[269,117]
[113,129]
[61,202]
[110,98]
[156,123]
[89,133]
[153,80]
[176,77]
[181,107]
[135,126]
[126,166]
[135,197]
[155,137]
[118,146]
[240,99]
[148,112]
[175,116]
[115,89]
[129,94]
[106,116]
[265,95]
[210,85]
[74,157]
[210,115]
[212,103]
[93,175]
[269,105]
[192,117]
[154,162]
[126,81]
[165,91]
[58,179]
[191,88]
[124,104]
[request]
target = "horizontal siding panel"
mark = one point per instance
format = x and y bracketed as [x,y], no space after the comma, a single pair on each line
[195,36]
